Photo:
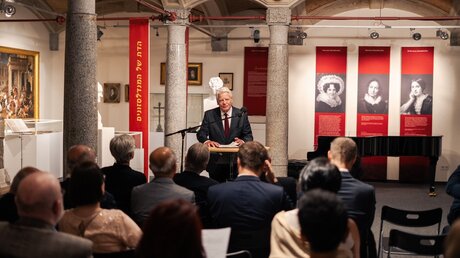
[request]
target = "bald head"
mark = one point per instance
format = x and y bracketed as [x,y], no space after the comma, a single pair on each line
[163,162]
[39,196]
[78,154]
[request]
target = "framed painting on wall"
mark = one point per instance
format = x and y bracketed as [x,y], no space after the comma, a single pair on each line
[112,92]
[227,78]
[194,73]
[19,70]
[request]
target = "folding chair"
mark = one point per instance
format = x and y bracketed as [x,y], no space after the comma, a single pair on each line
[421,245]
[406,218]
[240,254]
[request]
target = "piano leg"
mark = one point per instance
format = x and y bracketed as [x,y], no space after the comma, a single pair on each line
[433,162]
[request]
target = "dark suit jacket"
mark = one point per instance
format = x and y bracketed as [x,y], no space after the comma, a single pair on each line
[212,127]
[120,181]
[453,189]
[8,211]
[199,185]
[33,238]
[359,199]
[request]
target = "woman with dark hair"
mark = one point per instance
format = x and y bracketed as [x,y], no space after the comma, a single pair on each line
[373,102]
[173,230]
[330,88]
[419,103]
[110,230]
[286,239]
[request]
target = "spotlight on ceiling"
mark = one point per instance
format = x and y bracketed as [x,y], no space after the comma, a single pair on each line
[374,35]
[100,33]
[442,34]
[415,35]
[9,10]
[301,34]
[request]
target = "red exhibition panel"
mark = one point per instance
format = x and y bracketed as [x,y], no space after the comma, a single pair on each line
[139,35]
[255,80]
[416,107]
[330,89]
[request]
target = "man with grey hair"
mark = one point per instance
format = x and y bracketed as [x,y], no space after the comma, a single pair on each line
[196,161]
[359,197]
[120,179]
[40,207]
[147,196]
[224,125]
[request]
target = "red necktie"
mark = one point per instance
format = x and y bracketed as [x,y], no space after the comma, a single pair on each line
[227,127]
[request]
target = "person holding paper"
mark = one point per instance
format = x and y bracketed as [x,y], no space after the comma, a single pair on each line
[223,125]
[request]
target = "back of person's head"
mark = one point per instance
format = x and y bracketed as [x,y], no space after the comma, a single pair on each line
[163,162]
[451,244]
[86,184]
[173,230]
[25,171]
[197,158]
[343,149]
[222,91]
[78,154]
[39,196]
[320,173]
[252,155]
[122,148]
[323,220]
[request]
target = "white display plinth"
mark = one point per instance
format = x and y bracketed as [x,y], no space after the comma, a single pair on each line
[104,157]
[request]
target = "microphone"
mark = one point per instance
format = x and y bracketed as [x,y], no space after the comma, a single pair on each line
[243,110]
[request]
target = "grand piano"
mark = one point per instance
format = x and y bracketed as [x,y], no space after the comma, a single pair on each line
[393,146]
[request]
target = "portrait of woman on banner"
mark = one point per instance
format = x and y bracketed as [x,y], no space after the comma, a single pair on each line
[373,101]
[328,100]
[419,102]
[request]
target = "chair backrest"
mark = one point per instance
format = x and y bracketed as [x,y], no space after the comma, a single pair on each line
[408,218]
[418,244]
[124,254]
[240,254]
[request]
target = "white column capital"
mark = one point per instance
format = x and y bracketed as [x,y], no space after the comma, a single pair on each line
[278,16]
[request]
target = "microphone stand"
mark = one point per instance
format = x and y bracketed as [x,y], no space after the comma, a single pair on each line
[191,129]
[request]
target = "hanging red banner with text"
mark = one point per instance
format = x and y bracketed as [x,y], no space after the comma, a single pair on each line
[373,93]
[255,80]
[416,106]
[331,69]
[139,35]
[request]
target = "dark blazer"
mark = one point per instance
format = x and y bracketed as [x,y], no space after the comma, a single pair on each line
[453,189]
[8,210]
[120,181]
[34,238]
[199,185]
[359,199]
[212,127]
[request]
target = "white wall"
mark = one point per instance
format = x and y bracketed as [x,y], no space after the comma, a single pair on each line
[113,67]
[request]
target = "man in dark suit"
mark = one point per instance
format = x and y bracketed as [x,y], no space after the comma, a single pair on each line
[120,179]
[40,207]
[221,126]
[196,161]
[359,197]
[248,205]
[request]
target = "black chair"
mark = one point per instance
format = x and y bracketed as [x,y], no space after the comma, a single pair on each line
[124,254]
[240,254]
[406,218]
[257,242]
[420,245]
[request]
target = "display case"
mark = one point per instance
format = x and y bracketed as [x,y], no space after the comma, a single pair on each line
[32,126]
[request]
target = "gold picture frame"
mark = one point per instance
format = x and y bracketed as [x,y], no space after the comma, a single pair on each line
[194,74]
[111,92]
[227,78]
[19,71]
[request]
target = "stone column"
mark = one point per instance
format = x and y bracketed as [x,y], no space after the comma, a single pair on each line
[278,20]
[80,86]
[176,83]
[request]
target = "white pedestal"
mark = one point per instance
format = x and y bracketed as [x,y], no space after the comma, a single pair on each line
[104,157]
[43,151]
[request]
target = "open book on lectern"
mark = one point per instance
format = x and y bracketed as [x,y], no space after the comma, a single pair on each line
[17,126]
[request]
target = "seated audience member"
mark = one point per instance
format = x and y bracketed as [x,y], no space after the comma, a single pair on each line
[196,161]
[110,230]
[286,239]
[248,205]
[8,211]
[147,196]
[453,189]
[358,197]
[173,230]
[451,243]
[39,203]
[120,179]
[76,155]
[323,222]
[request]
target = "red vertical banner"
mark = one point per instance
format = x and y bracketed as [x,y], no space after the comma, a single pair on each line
[331,69]
[139,36]
[416,106]
[372,105]
[255,80]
